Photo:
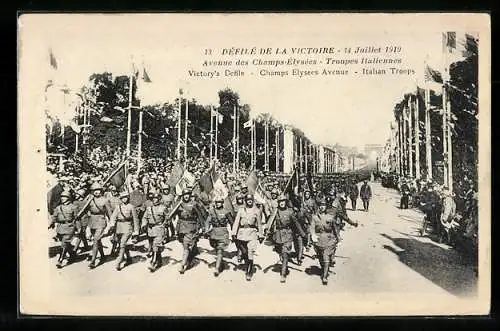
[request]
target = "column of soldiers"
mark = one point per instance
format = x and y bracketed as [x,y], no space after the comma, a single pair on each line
[153,212]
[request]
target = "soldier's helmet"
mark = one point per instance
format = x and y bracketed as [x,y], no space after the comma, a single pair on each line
[95,186]
[124,194]
[81,192]
[249,197]
[282,197]
[186,191]
[274,192]
[112,188]
[165,186]
[240,196]
[219,198]
[244,186]
[66,194]
[322,202]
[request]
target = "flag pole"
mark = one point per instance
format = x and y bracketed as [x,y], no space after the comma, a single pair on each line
[129,117]
[179,127]
[277,144]
[139,143]
[211,132]
[237,138]
[216,137]
[410,136]
[186,130]
[77,135]
[234,138]
[417,135]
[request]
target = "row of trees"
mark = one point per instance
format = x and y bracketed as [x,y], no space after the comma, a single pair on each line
[462,92]
[105,100]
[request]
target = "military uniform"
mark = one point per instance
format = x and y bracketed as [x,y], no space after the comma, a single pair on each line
[247,229]
[189,223]
[82,222]
[285,223]
[98,209]
[125,221]
[309,208]
[154,219]
[353,195]
[366,194]
[216,227]
[326,228]
[168,200]
[64,216]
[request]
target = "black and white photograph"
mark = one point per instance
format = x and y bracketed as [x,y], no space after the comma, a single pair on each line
[254,164]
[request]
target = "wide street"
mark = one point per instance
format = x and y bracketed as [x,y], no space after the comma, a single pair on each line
[384,254]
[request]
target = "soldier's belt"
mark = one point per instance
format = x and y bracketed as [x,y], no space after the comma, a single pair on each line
[283,227]
[188,221]
[153,224]
[64,221]
[128,220]
[96,214]
[248,226]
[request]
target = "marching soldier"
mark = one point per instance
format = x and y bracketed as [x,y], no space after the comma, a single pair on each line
[189,224]
[167,199]
[154,220]
[353,194]
[310,207]
[125,222]
[239,202]
[366,194]
[98,209]
[216,228]
[82,222]
[325,230]
[283,222]
[114,201]
[64,215]
[247,231]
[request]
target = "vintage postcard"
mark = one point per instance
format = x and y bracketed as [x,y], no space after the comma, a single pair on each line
[254,164]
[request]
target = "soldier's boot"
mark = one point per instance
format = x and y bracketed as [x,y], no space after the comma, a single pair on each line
[185,258]
[158,260]
[284,268]
[115,248]
[119,261]
[93,257]
[128,258]
[61,257]
[218,263]
[150,248]
[324,277]
[152,264]
[249,270]
[300,251]
[101,252]
[71,254]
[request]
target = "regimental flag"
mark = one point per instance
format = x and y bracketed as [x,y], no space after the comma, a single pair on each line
[119,176]
[175,174]
[292,188]
[248,124]
[187,180]
[52,59]
[262,198]
[54,197]
[252,182]
[220,189]
[206,182]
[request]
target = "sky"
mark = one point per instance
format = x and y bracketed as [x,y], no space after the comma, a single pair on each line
[351,111]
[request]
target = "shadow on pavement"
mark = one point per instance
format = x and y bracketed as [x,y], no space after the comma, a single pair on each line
[444,267]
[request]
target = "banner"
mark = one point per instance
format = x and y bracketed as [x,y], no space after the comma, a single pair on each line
[186,180]
[119,176]
[175,174]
